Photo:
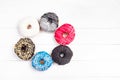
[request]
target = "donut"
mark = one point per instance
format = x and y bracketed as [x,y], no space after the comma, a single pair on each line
[42,61]
[62,54]
[28,27]
[24,48]
[49,22]
[65,34]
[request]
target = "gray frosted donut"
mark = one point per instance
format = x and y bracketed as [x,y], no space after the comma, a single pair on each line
[49,22]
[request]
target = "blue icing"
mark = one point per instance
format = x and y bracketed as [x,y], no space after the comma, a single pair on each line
[42,56]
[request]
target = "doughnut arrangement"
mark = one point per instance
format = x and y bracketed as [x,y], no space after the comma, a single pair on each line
[41,61]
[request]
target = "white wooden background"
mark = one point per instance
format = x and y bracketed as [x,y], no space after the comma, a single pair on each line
[96,46]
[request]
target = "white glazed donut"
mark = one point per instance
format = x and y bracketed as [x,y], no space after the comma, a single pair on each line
[28,27]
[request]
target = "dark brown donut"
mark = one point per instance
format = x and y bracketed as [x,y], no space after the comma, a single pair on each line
[62,54]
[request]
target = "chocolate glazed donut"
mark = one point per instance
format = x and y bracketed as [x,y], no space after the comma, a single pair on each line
[24,48]
[62,54]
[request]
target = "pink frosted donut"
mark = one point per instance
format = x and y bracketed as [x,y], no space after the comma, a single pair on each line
[65,34]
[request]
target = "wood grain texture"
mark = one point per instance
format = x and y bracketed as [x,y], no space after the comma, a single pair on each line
[96,46]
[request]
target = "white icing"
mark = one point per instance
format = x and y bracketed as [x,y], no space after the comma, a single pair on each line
[28,27]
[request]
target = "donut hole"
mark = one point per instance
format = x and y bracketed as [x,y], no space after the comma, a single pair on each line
[29,26]
[65,35]
[24,48]
[50,19]
[42,61]
[62,55]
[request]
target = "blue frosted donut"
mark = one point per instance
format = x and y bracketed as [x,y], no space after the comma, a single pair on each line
[42,61]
